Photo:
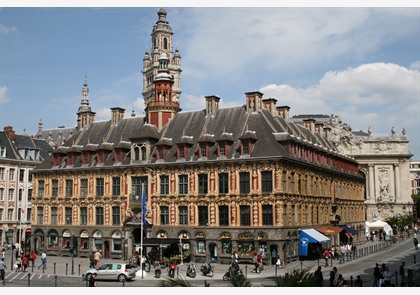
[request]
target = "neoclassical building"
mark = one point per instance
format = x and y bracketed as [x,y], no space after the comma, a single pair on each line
[217,180]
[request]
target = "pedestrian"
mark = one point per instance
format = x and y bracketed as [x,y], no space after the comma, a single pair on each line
[43,261]
[97,257]
[319,277]
[416,243]
[92,259]
[402,271]
[278,261]
[387,277]
[18,264]
[25,263]
[327,256]
[235,258]
[92,280]
[32,257]
[358,282]
[376,275]
[333,277]
[2,268]
[340,282]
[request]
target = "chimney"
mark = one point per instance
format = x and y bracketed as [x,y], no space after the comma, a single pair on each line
[270,104]
[253,101]
[212,104]
[283,111]
[9,132]
[310,124]
[117,114]
[318,127]
[327,131]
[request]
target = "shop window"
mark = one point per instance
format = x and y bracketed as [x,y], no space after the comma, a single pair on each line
[52,239]
[66,244]
[226,247]
[201,247]
[246,248]
[116,241]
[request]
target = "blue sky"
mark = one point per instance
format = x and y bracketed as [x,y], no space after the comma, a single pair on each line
[359,63]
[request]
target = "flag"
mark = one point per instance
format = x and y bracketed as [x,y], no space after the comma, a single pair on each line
[22,209]
[143,204]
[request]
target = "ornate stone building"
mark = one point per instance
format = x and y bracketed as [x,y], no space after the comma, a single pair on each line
[217,180]
[383,159]
[19,155]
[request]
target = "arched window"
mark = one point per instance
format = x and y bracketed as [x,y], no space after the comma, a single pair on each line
[116,241]
[143,152]
[53,239]
[165,43]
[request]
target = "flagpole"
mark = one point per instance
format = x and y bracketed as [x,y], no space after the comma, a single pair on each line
[141,229]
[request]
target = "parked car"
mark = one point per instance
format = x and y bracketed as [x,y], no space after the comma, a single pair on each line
[121,271]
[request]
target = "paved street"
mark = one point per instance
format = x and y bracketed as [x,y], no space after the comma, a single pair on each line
[63,272]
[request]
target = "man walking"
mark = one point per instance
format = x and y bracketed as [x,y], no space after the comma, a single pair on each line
[2,268]
[43,260]
[376,275]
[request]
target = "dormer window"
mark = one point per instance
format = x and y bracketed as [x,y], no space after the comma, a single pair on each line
[248,140]
[2,151]
[222,149]
[181,151]
[203,150]
[140,152]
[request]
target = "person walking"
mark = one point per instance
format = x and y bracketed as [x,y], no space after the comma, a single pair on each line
[416,243]
[97,257]
[333,277]
[2,268]
[25,263]
[32,257]
[402,271]
[319,277]
[376,275]
[92,280]
[327,256]
[43,261]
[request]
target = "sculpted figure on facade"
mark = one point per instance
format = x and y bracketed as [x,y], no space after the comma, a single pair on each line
[384,195]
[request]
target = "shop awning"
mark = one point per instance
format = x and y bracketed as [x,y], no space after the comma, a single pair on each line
[330,230]
[307,236]
[349,230]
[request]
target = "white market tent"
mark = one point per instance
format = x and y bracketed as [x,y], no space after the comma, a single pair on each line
[378,223]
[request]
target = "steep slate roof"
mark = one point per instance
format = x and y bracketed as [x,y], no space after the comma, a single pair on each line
[270,134]
[25,142]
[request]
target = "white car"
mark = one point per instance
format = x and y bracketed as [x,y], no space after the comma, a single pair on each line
[121,271]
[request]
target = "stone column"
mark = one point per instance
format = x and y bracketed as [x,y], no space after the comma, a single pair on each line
[371,184]
[397,182]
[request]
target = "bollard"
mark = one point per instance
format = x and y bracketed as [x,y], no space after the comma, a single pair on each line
[29,280]
[246,270]
[79,269]
[66,267]
[396,278]
[55,281]
[72,266]
[415,259]
[351,281]
[54,268]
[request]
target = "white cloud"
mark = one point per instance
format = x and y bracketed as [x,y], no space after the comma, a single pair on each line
[6,30]
[378,95]
[3,95]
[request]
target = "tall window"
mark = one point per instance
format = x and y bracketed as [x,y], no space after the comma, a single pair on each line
[21,175]
[223,183]
[267,181]
[2,172]
[11,174]
[40,215]
[68,215]
[11,194]
[267,215]
[203,215]
[54,215]
[1,193]
[99,187]
[83,188]
[41,188]
[245,215]
[183,215]
[285,222]
[223,215]
[136,185]
[69,188]
[202,184]
[99,215]
[183,184]
[1,214]
[116,186]
[284,181]
[29,194]
[30,176]
[54,188]
[10,214]
[83,215]
[164,185]
[203,150]
[164,215]
[116,216]
[244,182]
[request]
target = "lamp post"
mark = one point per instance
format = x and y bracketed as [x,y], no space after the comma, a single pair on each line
[180,245]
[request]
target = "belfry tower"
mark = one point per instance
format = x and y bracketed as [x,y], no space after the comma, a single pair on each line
[85,116]
[161,75]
